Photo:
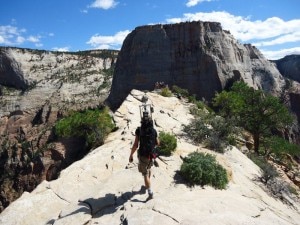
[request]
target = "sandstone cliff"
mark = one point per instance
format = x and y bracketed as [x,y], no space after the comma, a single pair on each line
[198,56]
[67,80]
[36,89]
[289,67]
[103,188]
[10,72]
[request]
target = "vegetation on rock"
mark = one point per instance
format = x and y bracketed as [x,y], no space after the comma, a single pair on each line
[214,131]
[166,92]
[168,143]
[203,169]
[254,110]
[92,125]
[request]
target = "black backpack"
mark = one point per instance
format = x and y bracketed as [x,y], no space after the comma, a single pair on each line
[147,137]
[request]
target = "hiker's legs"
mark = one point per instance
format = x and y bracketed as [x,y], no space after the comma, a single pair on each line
[147,180]
[148,185]
[145,168]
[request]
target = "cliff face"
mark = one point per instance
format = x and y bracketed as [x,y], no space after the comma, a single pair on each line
[10,72]
[30,78]
[289,67]
[38,87]
[198,56]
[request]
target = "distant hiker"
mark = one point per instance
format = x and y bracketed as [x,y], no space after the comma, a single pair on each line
[145,141]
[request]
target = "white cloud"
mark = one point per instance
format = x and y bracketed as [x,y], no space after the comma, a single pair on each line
[11,35]
[104,4]
[243,28]
[2,40]
[38,45]
[20,40]
[61,49]
[108,42]
[280,53]
[84,11]
[34,39]
[288,38]
[192,3]
[270,32]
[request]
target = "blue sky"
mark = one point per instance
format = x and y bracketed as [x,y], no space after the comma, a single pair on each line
[273,26]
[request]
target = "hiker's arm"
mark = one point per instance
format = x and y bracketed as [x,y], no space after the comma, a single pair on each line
[157,142]
[134,147]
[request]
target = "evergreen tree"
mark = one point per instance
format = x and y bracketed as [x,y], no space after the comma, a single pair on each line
[254,110]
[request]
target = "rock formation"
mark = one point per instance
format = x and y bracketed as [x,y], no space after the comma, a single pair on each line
[38,88]
[67,80]
[198,56]
[103,188]
[289,67]
[10,72]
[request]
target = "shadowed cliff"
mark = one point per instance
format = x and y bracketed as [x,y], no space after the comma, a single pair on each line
[198,56]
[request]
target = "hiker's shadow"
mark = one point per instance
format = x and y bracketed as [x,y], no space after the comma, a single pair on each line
[110,203]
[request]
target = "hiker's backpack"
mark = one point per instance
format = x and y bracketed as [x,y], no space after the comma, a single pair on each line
[147,137]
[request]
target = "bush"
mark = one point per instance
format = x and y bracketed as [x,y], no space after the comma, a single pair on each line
[202,169]
[179,91]
[92,125]
[166,92]
[168,143]
[279,147]
[216,132]
[268,171]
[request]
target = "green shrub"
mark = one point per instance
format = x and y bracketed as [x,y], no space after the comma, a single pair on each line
[92,125]
[168,143]
[166,92]
[214,131]
[179,91]
[279,147]
[202,169]
[268,171]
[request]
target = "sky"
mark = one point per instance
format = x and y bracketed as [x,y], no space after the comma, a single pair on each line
[273,26]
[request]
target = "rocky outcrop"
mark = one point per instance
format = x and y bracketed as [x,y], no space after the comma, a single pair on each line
[67,80]
[57,83]
[30,153]
[103,188]
[289,67]
[11,74]
[198,56]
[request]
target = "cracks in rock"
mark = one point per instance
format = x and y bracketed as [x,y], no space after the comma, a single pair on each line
[59,195]
[120,115]
[137,97]
[165,214]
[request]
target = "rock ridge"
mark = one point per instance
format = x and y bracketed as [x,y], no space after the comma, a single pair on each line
[103,188]
[198,56]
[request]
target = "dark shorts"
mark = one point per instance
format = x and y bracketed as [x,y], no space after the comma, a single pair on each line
[144,165]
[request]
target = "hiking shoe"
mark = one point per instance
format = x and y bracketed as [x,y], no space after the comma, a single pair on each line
[150,196]
[143,189]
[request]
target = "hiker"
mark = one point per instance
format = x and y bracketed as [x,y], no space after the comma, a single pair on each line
[145,141]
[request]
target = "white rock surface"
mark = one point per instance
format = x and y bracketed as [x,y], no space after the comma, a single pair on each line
[103,188]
